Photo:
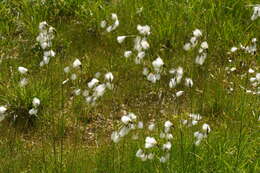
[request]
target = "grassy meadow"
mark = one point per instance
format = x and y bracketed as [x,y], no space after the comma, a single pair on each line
[129,86]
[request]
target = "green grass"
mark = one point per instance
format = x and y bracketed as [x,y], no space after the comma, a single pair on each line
[71,136]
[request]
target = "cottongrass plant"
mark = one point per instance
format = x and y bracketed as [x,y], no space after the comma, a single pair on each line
[23,71]
[115,23]
[45,37]
[202,51]
[158,144]
[3,110]
[256,12]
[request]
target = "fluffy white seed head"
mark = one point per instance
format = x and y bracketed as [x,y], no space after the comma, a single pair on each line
[197,33]
[76,63]
[36,102]
[157,63]
[22,70]
[144,30]
[115,137]
[103,24]
[109,77]
[204,45]
[206,128]
[150,142]
[93,82]
[127,54]
[121,39]
[2,110]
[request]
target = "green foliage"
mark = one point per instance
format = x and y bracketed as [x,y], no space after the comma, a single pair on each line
[72,136]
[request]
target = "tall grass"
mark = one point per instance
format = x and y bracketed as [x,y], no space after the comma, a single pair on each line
[71,136]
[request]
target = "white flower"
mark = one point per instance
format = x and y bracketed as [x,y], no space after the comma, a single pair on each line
[145,71]
[132,116]
[22,70]
[36,102]
[92,83]
[150,142]
[115,137]
[254,40]
[162,159]
[127,54]
[206,128]
[50,53]
[200,50]
[73,76]
[120,39]
[109,29]
[167,146]
[126,119]
[197,33]
[200,59]
[140,125]
[76,63]
[151,77]
[187,46]
[99,90]
[77,92]
[109,77]
[44,45]
[145,45]
[151,126]
[115,25]
[172,83]
[46,59]
[256,12]
[188,82]
[168,124]
[179,71]
[144,30]
[42,63]
[2,110]
[109,85]
[141,55]
[204,45]
[89,99]
[179,93]
[195,116]
[2,117]
[139,153]
[137,44]
[251,71]
[65,81]
[193,41]
[194,122]
[197,142]
[257,76]
[43,25]
[233,49]
[169,136]
[157,63]
[67,69]
[23,82]
[184,122]
[33,111]
[103,24]
[114,16]
[233,69]
[150,156]
[198,135]
[124,131]
[157,76]
[165,158]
